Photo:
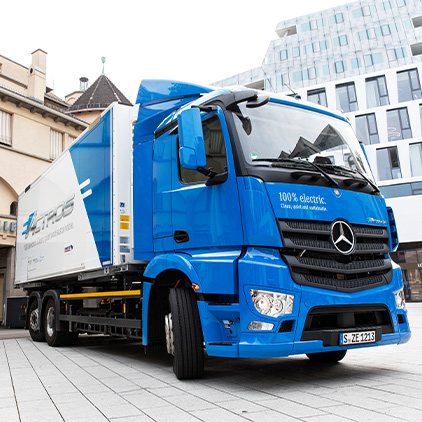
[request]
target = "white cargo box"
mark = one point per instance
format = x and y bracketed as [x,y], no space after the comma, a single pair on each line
[77,216]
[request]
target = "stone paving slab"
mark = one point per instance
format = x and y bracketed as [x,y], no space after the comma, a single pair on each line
[102,379]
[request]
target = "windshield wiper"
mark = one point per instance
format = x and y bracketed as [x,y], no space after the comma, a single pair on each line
[355,171]
[303,162]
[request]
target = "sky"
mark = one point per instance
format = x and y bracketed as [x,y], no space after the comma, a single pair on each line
[186,40]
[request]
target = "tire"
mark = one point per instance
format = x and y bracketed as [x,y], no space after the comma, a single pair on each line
[34,322]
[327,357]
[184,334]
[53,337]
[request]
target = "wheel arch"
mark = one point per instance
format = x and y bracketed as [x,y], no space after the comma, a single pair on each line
[163,273]
[56,297]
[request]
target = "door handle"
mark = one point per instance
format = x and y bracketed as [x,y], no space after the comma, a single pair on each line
[181,236]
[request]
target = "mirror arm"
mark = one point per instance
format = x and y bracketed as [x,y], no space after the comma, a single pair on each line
[217,179]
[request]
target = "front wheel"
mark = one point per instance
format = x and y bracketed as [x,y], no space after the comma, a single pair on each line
[184,334]
[35,322]
[327,357]
[53,337]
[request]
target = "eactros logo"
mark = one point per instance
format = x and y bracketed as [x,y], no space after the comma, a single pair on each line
[343,237]
[35,224]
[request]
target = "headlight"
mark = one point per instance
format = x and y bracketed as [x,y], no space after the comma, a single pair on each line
[400,302]
[272,304]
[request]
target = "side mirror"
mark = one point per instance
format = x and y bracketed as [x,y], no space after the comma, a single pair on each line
[191,139]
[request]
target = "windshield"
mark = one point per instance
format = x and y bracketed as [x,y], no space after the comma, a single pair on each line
[278,132]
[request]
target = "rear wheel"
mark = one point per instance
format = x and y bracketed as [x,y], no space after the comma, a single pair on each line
[52,336]
[35,322]
[184,334]
[327,357]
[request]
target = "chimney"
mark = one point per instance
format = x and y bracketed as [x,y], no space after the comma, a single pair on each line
[83,83]
[37,75]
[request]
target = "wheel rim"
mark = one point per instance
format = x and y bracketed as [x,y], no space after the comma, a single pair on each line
[50,321]
[34,321]
[169,334]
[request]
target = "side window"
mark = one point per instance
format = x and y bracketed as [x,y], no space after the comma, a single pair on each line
[215,151]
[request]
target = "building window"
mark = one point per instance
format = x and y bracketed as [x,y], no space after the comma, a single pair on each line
[346,97]
[340,67]
[408,84]
[372,59]
[415,152]
[356,63]
[14,208]
[308,49]
[312,73]
[324,45]
[404,189]
[311,25]
[401,3]
[376,92]
[398,124]
[366,129]
[298,76]
[367,34]
[400,52]
[364,11]
[282,80]
[296,51]
[388,164]
[318,96]
[326,70]
[56,143]
[5,128]
[397,54]
[316,47]
[417,21]
[337,18]
[387,5]
[340,41]
[284,55]
[416,49]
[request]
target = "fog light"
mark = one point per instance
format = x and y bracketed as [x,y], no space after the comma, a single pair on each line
[271,303]
[400,301]
[256,325]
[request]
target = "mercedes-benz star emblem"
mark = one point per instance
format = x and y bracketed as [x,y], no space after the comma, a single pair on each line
[343,237]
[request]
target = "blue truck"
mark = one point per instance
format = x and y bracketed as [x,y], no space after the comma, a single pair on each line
[234,222]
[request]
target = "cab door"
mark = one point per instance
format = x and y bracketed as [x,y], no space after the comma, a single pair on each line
[207,217]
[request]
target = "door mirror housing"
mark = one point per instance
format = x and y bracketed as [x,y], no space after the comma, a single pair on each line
[191,139]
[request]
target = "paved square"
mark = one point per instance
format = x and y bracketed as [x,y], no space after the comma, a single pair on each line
[103,379]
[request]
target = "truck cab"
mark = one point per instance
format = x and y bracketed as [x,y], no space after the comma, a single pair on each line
[269,207]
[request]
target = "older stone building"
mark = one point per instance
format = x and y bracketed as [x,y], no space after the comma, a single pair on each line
[35,127]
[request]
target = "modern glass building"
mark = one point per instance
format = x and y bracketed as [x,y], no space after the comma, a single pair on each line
[365,59]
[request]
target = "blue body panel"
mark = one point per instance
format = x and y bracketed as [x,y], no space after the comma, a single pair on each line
[321,203]
[91,156]
[142,197]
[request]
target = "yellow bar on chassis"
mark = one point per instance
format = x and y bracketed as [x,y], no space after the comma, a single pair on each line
[101,294]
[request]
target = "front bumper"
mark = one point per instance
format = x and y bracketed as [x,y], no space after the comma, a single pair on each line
[225,326]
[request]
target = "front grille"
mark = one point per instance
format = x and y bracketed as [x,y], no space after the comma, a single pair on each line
[313,259]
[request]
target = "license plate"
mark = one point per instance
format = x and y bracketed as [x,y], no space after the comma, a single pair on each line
[357,338]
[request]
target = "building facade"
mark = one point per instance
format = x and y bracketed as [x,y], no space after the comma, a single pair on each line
[35,128]
[365,59]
